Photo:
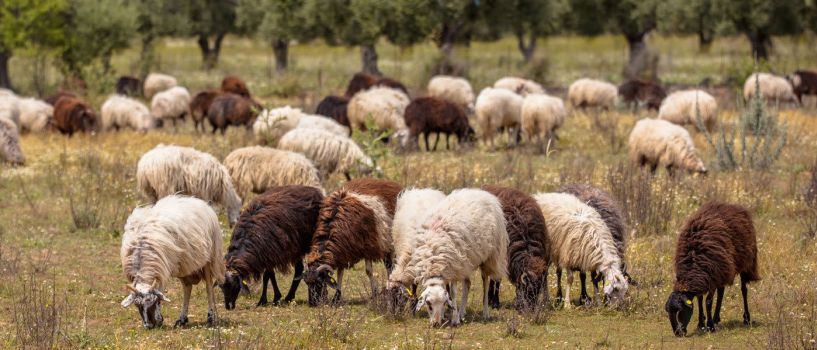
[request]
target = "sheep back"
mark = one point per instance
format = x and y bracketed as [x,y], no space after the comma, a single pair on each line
[436,115]
[256,169]
[322,123]
[607,207]
[772,88]
[235,85]
[412,208]
[128,86]
[201,103]
[684,107]
[120,111]
[334,107]
[661,143]
[156,83]
[519,86]
[73,115]
[35,115]
[542,115]
[231,109]
[592,93]
[272,124]
[170,104]
[496,108]
[455,89]
[382,105]
[330,153]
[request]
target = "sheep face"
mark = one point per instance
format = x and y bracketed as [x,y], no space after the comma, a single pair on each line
[616,287]
[317,281]
[87,120]
[679,310]
[231,288]
[694,163]
[149,305]
[527,291]
[437,299]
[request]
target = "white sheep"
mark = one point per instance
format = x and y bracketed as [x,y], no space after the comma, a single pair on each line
[167,170]
[7,92]
[520,86]
[329,152]
[581,241]
[10,143]
[35,115]
[256,169]
[498,108]
[323,123]
[10,108]
[381,105]
[177,237]
[465,232]
[658,142]
[120,111]
[271,124]
[772,88]
[454,89]
[541,116]
[684,107]
[585,93]
[156,83]
[173,103]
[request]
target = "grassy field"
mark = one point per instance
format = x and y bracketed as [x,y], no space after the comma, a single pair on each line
[61,216]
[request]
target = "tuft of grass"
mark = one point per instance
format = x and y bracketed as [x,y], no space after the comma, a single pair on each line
[38,314]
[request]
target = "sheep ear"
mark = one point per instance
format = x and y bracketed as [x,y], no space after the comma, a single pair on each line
[128,300]
[332,283]
[161,295]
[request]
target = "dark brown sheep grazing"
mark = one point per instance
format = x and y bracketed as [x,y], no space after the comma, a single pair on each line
[716,243]
[334,107]
[235,85]
[273,233]
[52,99]
[128,86]
[804,82]
[637,92]
[354,224]
[426,115]
[363,81]
[528,248]
[199,106]
[73,115]
[231,109]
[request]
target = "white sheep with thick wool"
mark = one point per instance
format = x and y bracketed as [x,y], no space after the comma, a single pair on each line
[455,89]
[255,169]
[542,115]
[592,93]
[684,107]
[120,111]
[329,152]
[659,143]
[495,109]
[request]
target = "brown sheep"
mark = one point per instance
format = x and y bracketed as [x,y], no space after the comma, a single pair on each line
[635,92]
[716,243]
[128,86]
[354,224]
[363,81]
[73,115]
[231,109]
[52,99]
[199,106]
[273,233]
[334,107]
[235,85]
[426,115]
[804,82]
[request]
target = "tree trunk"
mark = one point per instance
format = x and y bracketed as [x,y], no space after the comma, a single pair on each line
[5,79]
[209,54]
[280,48]
[528,49]
[760,42]
[146,56]
[368,56]
[641,64]
[704,41]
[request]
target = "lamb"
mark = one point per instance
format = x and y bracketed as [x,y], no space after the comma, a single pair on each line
[272,124]
[363,81]
[156,83]
[120,111]
[354,224]
[640,92]
[128,86]
[584,93]
[329,152]
[804,82]
[382,105]
[495,109]
[231,109]
[170,104]
[528,248]
[426,115]
[10,143]
[257,169]
[321,123]
[167,170]
[10,108]
[454,89]
[684,107]
[176,237]
[656,142]
[541,116]
[334,107]
[466,231]
[35,115]
[200,104]
[520,86]
[716,243]
[580,240]
[235,85]
[773,89]
[74,115]
[273,234]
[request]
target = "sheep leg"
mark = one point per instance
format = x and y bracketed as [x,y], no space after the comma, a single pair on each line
[718,301]
[558,285]
[263,300]
[436,140]
[277,292]
[447,136]
[211,301]
[595,277]
[701,318]
[747,319]
[370,273]
[466,287]
[182,321]
[710,324]
[339,282]
[584,299]
[493,293]
[428,145]
[485,283]
[568,304]
[296,281]
[454,317]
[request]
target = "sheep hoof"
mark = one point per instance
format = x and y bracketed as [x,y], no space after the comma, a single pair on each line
[262,302]
[181,322]
[717,320]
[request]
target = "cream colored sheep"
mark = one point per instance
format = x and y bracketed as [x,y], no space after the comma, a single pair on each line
[454,89]
[498,108]
[10,143]
[520,86]
[256,169]
[10,108]
[773,89]
[585,93]
[329,152]
[7,92]
[381,105]
[274,123]
[35,115]
[173,103]
[323,123]
[120,111]
[657,143]
[542,115]
[156,83]
[683,107]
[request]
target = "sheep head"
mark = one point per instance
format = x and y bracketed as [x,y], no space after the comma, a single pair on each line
[148,301]
[318,278]
[528,289]
[679,310]
[233,285]
[437,298]
[616,286]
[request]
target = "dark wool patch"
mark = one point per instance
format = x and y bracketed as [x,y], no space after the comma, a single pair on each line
[73,115]
[635,91]
[231,109]
[334,107]
[436,115]
[235,85]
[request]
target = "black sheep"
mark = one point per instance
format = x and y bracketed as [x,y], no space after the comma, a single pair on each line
[128,86]
[804,82]
[334,107]
[426,115]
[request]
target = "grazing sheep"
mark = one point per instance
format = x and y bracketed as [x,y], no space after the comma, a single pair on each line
[773,89]
[382,105]
[454,89]
[363,81]
[354,224]
[804,82]
[256,169]
[176,237]
[199,106]
[656,142]
[128,86]
[235,85]
[640,92]
[426,115]
[120,111]
[274,233]
[334,107]
[541,116]
[170,104]
[156,83]
[465,232]
[716,243]
[321,123]
[7,92]
[167,170]
[528,248]
[73,115]
[10,108]
[10,143]
[35,115]
[274,123]
[520,86]
[53,99]
[329,152]
[498,108]
[581,241]
[684,107]
[584,93]
[231,109]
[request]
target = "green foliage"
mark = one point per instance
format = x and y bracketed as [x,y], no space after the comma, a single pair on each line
[689,17]
[31,23]
[98,29]
[274,19]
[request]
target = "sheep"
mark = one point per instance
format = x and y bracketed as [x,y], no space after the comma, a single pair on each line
[272,124]
[640,92]
[256,169]
[541,116]
[10,143]
[169,169]
[656,142]
[120,111]
[155,83]
[128,86]
[580,240]
[329,152]
[454,89]
[426,115]
[804,82]
[528,248]
[584,93]
[172,104]
[382,105]
[35,115]
[10,108]
[273,233]
[231,109]
[520,86]
[321,123]
[363,81]
[334,107]
[715,243]
[54,98]
[74,115]
[684,107]
[772,88]
[176,237]
[7,92]
[354,224]
[235,85]
[495,109]
[200,104]
[465,231]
